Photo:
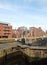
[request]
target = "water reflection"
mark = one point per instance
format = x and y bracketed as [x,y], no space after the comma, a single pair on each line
[16,64]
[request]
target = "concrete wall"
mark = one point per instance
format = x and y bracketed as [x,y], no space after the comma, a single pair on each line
[10,53]
[35,53]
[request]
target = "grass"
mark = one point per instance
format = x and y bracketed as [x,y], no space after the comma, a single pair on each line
[7,41]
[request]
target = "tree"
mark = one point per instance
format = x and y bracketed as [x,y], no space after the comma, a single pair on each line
[23,41]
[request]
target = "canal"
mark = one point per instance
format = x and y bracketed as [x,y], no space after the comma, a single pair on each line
[21,59]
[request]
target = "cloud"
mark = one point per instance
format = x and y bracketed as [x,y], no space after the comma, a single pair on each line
[31,12]
[5,6]
[12,7]
[41,6]
[34,19]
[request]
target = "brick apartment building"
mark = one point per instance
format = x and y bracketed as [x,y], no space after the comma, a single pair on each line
[36,32]
[20,32]
[5,30]
[32,32]
[16,34]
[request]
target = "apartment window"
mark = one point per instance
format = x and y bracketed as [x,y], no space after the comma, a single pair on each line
[5,25]
[0,36]
[4,36]
[7,30]
[6,33]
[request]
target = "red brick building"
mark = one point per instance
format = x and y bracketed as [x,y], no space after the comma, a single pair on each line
[5,30]
[32,32]
[20,32]
[40,32]
[16,34]
[36,32]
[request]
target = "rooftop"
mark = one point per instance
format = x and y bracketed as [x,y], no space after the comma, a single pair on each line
[4,23]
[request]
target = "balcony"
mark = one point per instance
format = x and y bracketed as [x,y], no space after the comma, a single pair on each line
[6,30]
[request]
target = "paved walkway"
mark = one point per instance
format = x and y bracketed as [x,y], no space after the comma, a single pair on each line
[8,45]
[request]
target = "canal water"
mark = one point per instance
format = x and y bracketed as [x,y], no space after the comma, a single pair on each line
[22,60]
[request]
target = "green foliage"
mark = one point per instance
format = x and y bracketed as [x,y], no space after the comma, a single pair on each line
[23,41]
[42,41]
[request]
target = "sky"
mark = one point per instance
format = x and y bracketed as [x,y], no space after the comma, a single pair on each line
[26,13]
